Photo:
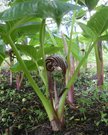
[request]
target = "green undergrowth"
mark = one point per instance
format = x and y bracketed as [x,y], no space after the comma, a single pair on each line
[22,109]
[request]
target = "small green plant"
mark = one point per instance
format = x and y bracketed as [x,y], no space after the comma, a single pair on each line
[103,119]
[17,110]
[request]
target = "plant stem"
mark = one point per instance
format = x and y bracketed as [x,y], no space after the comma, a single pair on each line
[99,63]
[42,38]
[72,80]
[69,73]
[46,103]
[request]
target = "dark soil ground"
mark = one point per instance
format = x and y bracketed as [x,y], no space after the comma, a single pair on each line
[21,112]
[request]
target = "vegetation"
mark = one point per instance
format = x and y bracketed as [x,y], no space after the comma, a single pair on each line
[21,110]
[50,63]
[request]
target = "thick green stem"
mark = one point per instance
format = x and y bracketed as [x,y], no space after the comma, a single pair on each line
[42,38]
[46,103]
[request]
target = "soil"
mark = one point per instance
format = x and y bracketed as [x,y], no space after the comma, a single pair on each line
[77,129]
[77,120]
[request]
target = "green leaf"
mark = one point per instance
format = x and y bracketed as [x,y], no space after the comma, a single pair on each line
[80,14]
[2,28]
[52,49]
[99,21]
[36,53]
[20,10]
[29,28]
[104,37]
[30,65]
[28,50]
[12,3]
[40,8]
[91,4]
[87,31]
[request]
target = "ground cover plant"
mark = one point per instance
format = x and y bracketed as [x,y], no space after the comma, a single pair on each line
[21,115]
[55,59]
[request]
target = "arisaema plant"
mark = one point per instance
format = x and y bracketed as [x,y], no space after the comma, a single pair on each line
[28,18]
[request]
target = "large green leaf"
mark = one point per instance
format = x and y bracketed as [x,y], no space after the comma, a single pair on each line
[36,53]
[29,28]
[39,8]
[17,29]
[30,65]
[3,31]
[87,31]
[28,50]
[91,4]
[99,21]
